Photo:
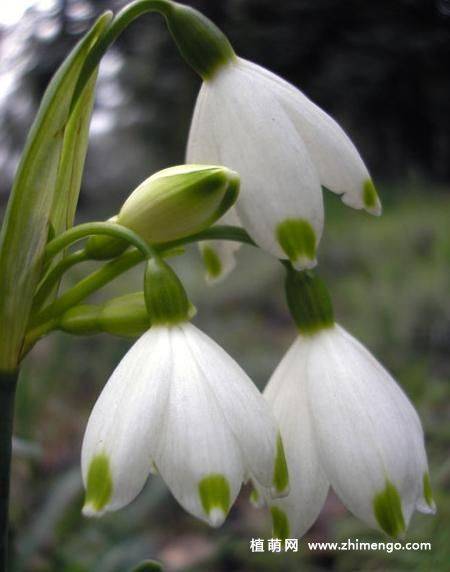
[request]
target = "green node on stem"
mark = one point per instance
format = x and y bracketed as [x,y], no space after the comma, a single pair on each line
[165,297]
[309,301]
[201,43]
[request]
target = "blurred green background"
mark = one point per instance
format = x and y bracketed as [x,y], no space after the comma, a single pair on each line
[382,70]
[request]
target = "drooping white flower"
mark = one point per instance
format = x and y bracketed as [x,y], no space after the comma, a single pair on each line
[178,404]
[345,422]
[284,147]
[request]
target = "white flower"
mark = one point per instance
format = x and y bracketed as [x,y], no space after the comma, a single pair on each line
[179,405]
[346,423]
[284,148]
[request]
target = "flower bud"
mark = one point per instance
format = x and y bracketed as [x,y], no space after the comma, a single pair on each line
[81,320]
[123,316]
[179,201]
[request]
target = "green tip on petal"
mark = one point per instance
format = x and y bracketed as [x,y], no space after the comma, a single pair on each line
[427,492]
[280,473]
[387,507]
[214,492]
[370,198]
[298,241]
[280,523]
[99,485]
[255,498]
[212,262]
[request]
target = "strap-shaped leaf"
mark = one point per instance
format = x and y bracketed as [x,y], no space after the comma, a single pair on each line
[71,164]
[26,224]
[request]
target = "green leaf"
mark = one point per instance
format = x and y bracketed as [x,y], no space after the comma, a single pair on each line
[27,220]
[71,164]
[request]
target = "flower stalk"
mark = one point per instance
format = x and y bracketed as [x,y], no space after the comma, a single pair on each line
[8,384]
[200,42]
[115,268]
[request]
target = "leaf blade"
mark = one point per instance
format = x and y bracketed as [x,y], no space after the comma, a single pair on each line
[25,228]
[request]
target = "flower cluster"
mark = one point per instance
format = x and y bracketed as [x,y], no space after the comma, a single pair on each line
[178,404]
[259,153]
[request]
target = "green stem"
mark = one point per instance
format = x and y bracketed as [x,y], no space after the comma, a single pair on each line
[219,232]
[8,383]
[88,286]
[82,231]
[123,19]
[46,320]
[55,275]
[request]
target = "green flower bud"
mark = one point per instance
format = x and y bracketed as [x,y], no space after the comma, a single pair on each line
[204,47]
[309,302]
[81,320]
[179,201]
[125,316]
[165,297]
[103,247]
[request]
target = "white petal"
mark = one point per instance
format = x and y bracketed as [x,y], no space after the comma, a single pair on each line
[123,426]
[286,392]
[222,252]
[368,433]
[195,440]
[241,124]
[246,412]
[337,161]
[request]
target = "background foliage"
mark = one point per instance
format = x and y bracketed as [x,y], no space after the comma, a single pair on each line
[381,68]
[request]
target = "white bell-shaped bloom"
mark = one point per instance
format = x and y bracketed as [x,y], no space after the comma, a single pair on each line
[284,148]
[347,423]
[179,404]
